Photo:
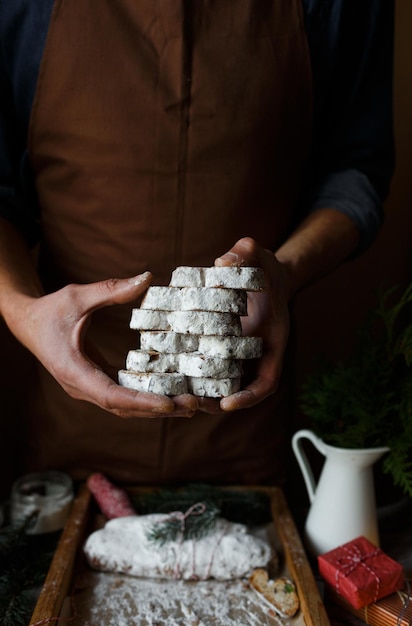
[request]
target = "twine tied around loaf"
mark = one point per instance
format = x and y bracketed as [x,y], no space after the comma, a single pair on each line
[196,509]
[354,559]
[174,527]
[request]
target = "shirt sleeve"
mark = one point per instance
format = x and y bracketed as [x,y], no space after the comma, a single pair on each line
[23,29]
[352,161]
[7,159]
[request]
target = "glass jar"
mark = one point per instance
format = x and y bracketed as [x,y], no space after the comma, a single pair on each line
[49,495]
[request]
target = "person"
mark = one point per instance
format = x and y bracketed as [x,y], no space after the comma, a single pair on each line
[139,136]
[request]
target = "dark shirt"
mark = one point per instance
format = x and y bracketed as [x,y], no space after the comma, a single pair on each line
[351,49]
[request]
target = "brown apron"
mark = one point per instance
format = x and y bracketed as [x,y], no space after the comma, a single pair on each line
[163,131]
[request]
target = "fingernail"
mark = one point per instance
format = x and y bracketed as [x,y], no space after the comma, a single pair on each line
[230,257]
[138,280]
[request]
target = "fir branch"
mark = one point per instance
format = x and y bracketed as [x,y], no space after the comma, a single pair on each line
[197,522]
[249,507]
[24,562]
[13,537]
[17,608]
[399,465]
[18,597]
[367,400]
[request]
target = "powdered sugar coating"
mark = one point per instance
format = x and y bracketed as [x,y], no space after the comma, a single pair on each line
[204,323]
[212,387]
[213,299]
[152,361]
[229,277]
[198,364]
[123,546]
[168,384]
[186,276]
[162,298]
[231,347]
[174,343]
[147,319]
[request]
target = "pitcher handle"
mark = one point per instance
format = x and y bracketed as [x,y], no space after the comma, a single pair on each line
[302,459]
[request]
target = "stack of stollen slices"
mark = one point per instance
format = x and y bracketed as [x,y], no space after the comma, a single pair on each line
[191,335]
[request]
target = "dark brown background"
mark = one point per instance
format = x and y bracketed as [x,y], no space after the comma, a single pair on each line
[328,312]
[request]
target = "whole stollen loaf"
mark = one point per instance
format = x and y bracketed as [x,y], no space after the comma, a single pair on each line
[191,333]
[124,545]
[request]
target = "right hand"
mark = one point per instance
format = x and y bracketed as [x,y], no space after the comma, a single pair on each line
[53,328]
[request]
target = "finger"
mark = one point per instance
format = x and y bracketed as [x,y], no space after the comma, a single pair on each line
[133,414]
[248,397]
[245,252]
[186,402]
[100,389]
[184,406]
[265,382]
[93,385]
[112,291]
[243,399]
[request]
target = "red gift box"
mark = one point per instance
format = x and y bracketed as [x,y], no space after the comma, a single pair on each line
[361,572]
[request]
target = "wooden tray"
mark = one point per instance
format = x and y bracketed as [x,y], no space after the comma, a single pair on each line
[67,560]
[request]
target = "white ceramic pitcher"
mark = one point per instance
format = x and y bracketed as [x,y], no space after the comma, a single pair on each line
[343,502]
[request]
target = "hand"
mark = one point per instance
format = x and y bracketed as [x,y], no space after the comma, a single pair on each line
[53,328]
[268,317]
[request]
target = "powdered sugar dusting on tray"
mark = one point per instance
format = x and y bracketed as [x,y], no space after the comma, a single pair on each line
[118,600]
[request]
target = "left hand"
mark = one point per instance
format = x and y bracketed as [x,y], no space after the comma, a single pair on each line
[268,317]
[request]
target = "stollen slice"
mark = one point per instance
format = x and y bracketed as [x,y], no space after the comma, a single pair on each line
[248,278]
[204,323]
[231,347]
[280,593]
[214,299]
[147,319]
[152,361]
[168,342]
[173,384]
[201,365]
[212,387]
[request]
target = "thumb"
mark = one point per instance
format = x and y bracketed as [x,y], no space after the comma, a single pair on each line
[245,252]
[229,258]
[114,291]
